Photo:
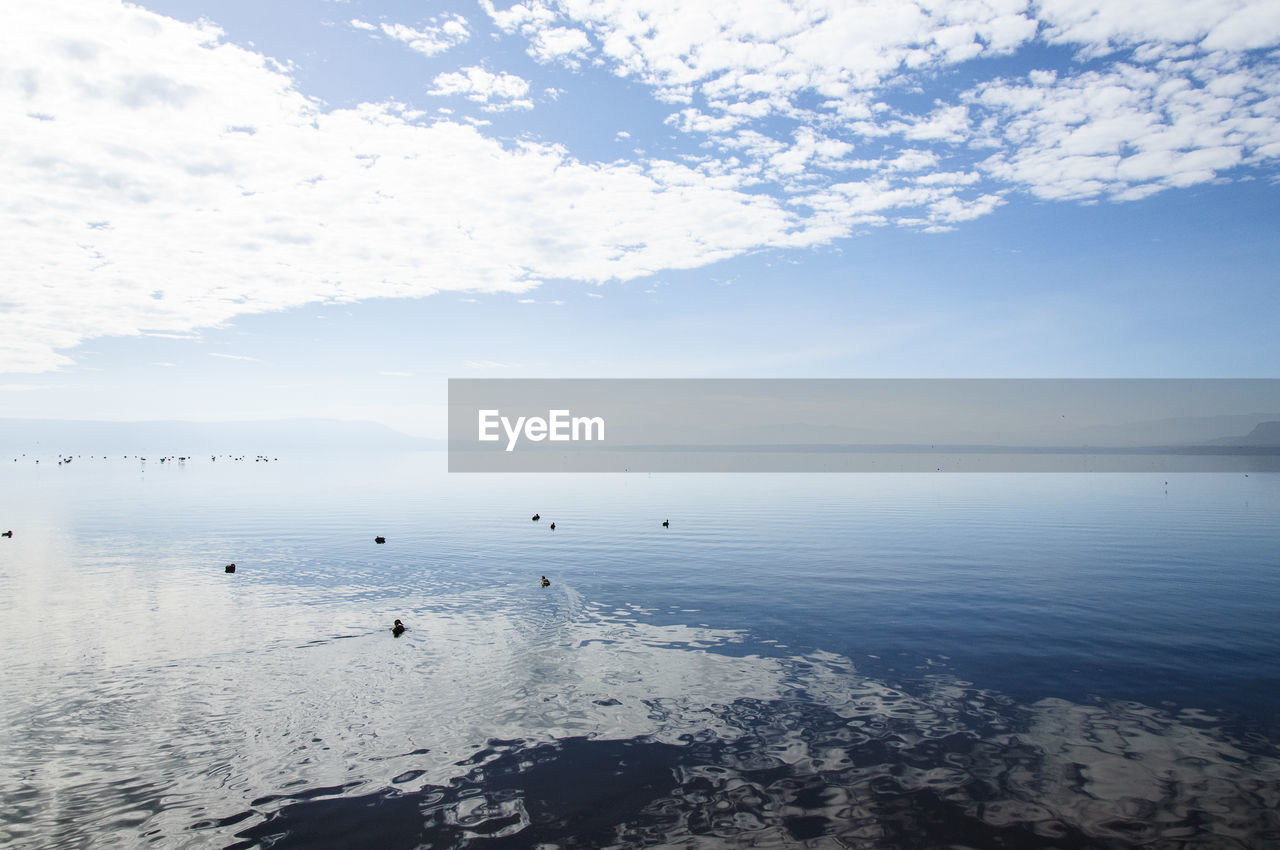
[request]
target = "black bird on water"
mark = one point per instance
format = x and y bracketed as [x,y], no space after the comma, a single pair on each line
[231,568]
[397,629]
[546,582]
[537,517]
[379,540]
[666,523]
[8,533]
[553,526]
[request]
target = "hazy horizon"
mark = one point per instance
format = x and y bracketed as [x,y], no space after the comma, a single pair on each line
[302,435]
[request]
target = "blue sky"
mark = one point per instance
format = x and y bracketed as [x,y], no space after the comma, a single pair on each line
[258,210]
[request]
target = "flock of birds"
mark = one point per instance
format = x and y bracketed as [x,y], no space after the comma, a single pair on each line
[399,628]
[66,459]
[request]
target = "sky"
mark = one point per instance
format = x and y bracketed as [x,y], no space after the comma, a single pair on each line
[311,208]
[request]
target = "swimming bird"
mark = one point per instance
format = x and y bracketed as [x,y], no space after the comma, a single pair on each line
[8,533]
[666,523]
[379,540]
[397,629]
[537,517]
[553,526]
[231,568]
[546,582]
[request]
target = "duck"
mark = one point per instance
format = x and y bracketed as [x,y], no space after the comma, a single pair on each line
[666,523]
[546,582]
[379,540]
[231,568]
[397,629]
[537,517]
[553,526]
[8,533]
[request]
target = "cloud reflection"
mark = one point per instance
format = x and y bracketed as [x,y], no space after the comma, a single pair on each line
[523,717]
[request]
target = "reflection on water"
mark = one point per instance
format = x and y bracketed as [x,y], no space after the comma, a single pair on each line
[957,768]
[673,687]
[580,726]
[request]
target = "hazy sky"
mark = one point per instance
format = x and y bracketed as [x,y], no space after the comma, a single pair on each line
[221,210]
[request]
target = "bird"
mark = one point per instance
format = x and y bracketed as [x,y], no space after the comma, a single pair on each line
[8,533]
[397,629]
[231,568]
[553,526]
[537,517]
[546,582]
[379,540]
[666,523]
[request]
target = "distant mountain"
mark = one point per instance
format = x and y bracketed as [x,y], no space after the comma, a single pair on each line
[1263,434]
[51,436]
[1180,431]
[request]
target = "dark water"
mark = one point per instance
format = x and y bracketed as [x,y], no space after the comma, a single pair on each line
[821,661]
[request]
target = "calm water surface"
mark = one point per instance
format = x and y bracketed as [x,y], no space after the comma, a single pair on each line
[1027,660]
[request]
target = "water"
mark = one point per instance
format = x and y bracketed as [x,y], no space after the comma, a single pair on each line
[798,661]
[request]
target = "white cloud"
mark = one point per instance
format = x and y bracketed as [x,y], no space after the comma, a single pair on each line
[1180,109]
[562,43]
[1130,131]
[1100,26]
[497,91]
[435,38]
[537,21]
[143,154]
[233,356]
[739,50]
